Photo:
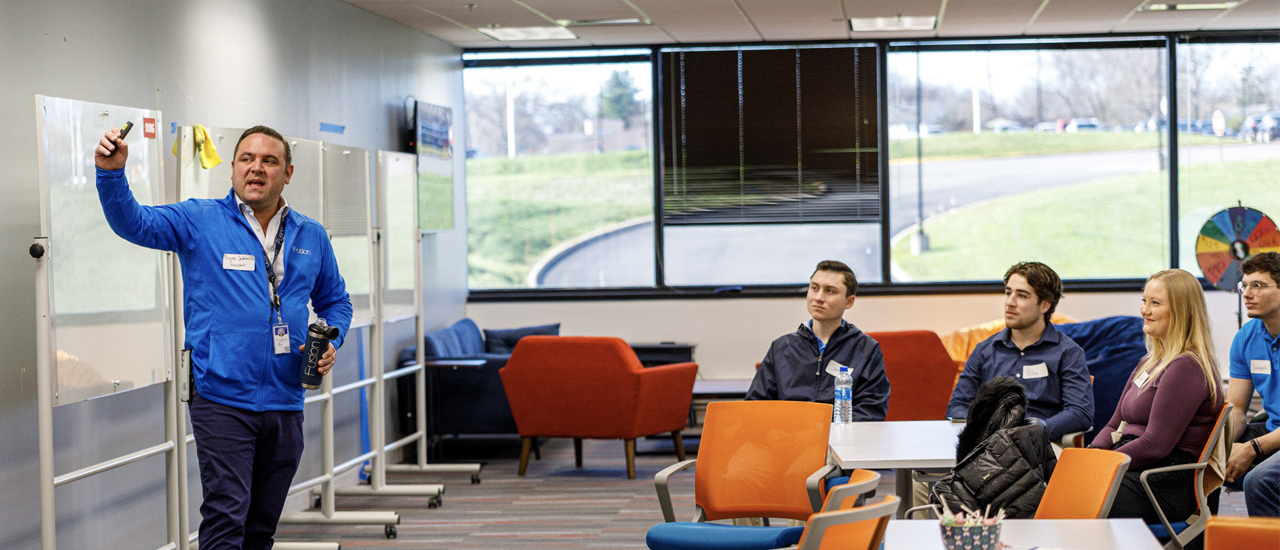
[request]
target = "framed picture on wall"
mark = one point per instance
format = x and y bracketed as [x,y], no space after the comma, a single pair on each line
[434,147]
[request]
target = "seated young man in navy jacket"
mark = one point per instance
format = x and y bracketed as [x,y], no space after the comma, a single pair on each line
[1048,364]
[802,366]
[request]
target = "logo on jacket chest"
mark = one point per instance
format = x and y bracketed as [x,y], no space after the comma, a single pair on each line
[302,251]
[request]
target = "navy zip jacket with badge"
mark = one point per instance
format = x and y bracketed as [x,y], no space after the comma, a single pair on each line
[794,370]
[227,313]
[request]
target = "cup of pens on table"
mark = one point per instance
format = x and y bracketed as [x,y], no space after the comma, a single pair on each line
[970,530]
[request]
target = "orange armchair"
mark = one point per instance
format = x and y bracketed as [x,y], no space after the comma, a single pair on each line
[593,388]
[919,369]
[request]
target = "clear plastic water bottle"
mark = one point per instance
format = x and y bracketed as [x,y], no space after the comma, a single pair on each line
[843,409]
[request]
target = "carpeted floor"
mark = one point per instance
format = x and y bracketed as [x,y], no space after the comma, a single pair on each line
[555,506]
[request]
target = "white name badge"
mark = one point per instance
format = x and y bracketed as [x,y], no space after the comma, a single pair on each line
[237,262]
[1142,379]
[1038,370]
[1260,366]
[833,368]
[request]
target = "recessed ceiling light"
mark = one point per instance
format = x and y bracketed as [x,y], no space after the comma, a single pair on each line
[508,34]
[601,22]
[1190,6]
[895,23]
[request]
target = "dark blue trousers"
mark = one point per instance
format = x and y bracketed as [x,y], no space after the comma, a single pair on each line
[247,461]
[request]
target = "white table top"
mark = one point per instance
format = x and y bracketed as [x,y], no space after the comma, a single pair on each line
[1043,534]
[917,444]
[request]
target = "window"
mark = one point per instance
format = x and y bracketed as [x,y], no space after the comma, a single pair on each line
[1238,84]
[770,163]
[1053,151]
[559,171]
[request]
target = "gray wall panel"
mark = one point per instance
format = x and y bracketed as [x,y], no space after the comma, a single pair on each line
[290,64]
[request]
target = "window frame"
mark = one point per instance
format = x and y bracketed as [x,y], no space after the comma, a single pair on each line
[661,291]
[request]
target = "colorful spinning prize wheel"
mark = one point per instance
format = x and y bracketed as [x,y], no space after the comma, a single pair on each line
[1228,238]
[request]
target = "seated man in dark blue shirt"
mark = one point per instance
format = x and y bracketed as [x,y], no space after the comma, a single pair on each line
[802,366]
[1048,364]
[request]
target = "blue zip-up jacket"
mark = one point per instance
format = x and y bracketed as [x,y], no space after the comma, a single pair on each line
[795,370]
[228,313]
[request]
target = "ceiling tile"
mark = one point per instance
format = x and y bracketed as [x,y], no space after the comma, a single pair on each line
[989,13]
[1254,14]
[623,35]
[1144,21]
[890,8]
[1089,16]
[580,10]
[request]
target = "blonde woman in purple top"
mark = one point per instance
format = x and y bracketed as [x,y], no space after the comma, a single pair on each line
[1171,401]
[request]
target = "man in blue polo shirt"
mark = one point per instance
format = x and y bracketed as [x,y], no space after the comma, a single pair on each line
[1050,366]
[801,366]
[1254,357]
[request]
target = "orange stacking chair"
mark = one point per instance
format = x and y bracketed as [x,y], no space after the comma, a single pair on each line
[756,459]
[1084,484]
[1182,532]
[920,372]
[850,528]
[1234,533]
[594,388]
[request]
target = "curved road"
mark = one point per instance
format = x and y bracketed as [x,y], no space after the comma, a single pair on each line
[785,254]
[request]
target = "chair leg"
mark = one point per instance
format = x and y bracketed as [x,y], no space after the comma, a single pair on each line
[526,444]
[631,458]
[577,451]
[537,449]
[679,441]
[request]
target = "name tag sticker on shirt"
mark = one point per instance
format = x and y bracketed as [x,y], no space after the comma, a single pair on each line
[1038,370]
[833,368]
[1140,380]
[1260,366]
[237,262]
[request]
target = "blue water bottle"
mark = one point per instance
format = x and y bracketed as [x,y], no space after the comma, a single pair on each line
[318,336]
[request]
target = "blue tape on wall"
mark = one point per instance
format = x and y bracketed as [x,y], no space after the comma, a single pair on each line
[173,127]
[332,128]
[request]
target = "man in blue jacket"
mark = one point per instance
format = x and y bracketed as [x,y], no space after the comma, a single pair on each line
[1048,364]
[249,268]
[801,366]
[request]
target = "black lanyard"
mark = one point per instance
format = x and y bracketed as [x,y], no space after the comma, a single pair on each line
[271,270]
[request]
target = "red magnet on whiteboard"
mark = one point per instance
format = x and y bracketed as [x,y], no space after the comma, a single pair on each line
[149,128]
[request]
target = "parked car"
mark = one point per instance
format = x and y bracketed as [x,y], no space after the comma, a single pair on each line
[1046,127]
[1260,128]
[1091,124]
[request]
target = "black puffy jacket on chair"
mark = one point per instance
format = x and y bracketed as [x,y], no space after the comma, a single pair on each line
[1004,460]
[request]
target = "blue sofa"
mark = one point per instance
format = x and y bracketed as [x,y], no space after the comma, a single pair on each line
[469,400]
[1112,347]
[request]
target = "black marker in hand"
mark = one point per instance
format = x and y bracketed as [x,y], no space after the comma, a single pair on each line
[123,132]
[112,141]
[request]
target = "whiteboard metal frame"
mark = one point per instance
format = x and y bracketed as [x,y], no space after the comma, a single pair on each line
[46,347]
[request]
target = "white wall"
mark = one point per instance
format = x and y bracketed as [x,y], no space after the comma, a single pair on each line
[290,64]
[733,334]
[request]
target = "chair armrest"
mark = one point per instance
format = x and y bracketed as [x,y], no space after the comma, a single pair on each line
[860,488]
[664,493]
[665,393]
[1069,440]
[926,508]
[1152,496]
[814,485]
[818,523]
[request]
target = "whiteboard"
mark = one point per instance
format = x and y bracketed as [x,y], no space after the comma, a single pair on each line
[110,326]
[398,210]
[347,217]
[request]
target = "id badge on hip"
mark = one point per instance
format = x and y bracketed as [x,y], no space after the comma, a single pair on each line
[280,338]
